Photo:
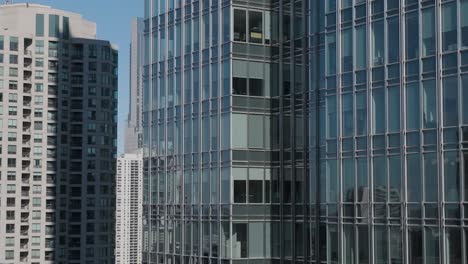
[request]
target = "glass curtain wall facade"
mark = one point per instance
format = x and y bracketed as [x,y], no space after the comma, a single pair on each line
[305,131]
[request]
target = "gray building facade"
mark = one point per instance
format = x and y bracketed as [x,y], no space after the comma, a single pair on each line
[305,131]
[58,90]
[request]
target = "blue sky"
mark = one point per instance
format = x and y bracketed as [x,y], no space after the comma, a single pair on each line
[113,19]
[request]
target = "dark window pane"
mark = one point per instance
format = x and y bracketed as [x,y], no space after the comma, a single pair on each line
[412,30]
[453,243]
[239,233]
[415,245]
[255,27]
[240,25]
[255,191]
[239,191]
[449,27]
[39,25]
[256,87]
[239,86]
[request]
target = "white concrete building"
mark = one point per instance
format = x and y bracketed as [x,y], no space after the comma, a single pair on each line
[129,209]
[58,129]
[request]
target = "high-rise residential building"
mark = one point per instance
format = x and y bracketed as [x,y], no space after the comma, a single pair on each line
[129,209]
[133,130]
[58,87]
[326,131]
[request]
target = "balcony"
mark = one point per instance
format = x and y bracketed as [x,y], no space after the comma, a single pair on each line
[27,76]
[27,102]
[27,88]
[26,168]
[25,180]
[27,53]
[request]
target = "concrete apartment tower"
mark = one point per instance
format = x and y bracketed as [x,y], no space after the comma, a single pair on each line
[58,90]
[129,209]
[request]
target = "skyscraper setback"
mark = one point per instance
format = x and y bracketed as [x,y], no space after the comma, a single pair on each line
[305,131]
[58,87]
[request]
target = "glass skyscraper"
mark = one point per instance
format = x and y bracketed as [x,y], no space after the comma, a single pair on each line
[318,131]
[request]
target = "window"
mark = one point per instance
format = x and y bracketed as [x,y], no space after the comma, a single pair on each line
[451,176]
[412,106]
[12,110]
[464,25]
[239,86]
[12,149]
[378,43]
[11,203]
[2,42]
[13,98]
[35,254]
[13,59]
[255,186]
[39,63]
[66,27]
[54,26]
[13,85]
[39,25]
[36,202]
[240,25]
[255,27]
[37,125]
[9,254]
[38,100]
[449,27]
[36,241]
[428,32]
[11,188]
[450,101]
[347,50]
[39,75]
[10,241]
[38,112]
[12,123]
[13,43]
[13,72]
[39,46]
[37,151]
[36,215]
[239,245]
[11,136]
[36,228]
[255,87]
[412,29]
[240,185]
[11,175]
[36,189]
[11,163]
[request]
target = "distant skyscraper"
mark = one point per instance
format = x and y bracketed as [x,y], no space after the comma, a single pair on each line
[58,88]
[133,131]
[305,131]
[130,164]
[129,209]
